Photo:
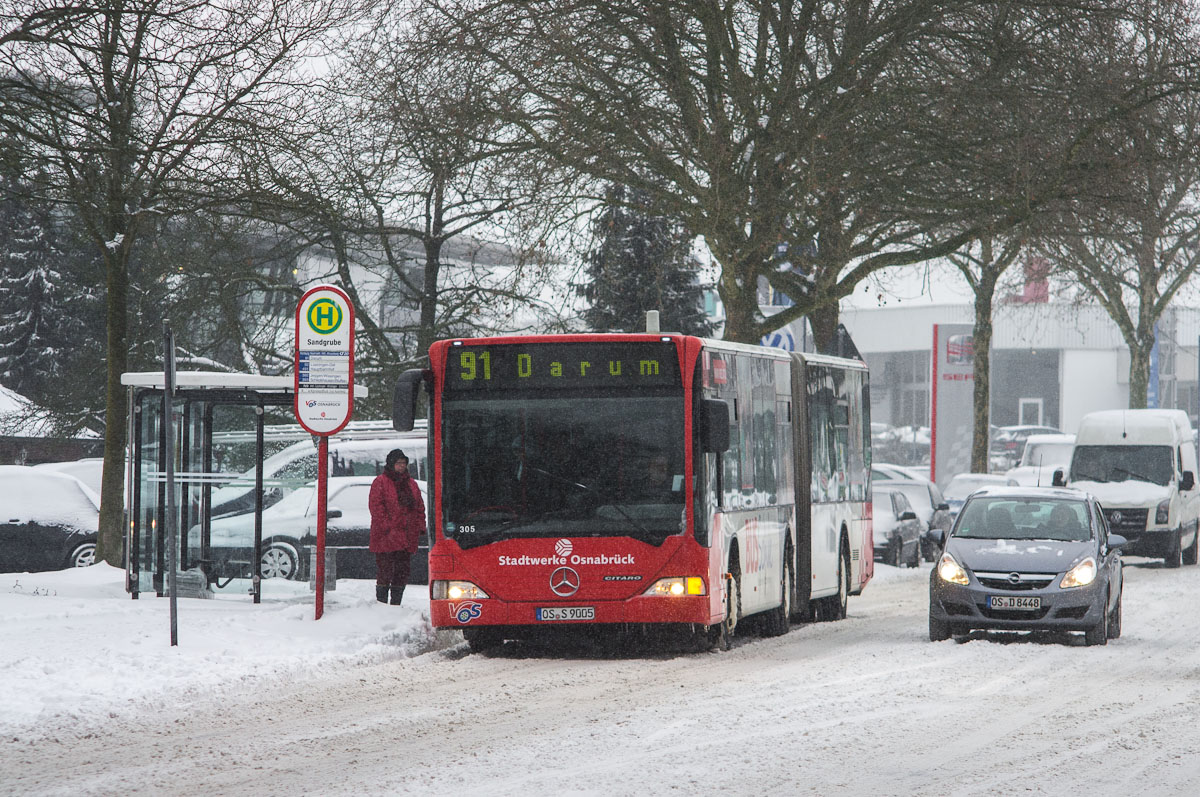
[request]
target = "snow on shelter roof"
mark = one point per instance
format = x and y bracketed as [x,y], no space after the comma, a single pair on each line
[220,379]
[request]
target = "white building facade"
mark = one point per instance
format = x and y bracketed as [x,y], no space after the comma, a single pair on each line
[1051,362]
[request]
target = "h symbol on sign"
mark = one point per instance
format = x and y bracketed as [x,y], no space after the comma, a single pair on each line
[324,314]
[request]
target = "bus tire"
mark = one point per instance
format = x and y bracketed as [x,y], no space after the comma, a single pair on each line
[778,621]
[834,607]
[722,633]
[480,640]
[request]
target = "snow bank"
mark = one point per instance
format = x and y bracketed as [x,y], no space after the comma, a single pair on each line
[77,646]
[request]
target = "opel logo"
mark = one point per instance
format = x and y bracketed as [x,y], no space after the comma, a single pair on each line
[564,582]
[1014,578]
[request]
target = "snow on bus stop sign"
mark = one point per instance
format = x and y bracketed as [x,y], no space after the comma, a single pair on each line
[324,360]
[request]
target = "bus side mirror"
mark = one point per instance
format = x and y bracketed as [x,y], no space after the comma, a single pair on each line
[714,425]
[404,399]
[1188,481]
[1059,480]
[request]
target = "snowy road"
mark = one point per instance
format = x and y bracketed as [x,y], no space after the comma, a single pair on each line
[866,706]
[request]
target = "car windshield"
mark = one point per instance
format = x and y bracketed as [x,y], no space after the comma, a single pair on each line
[1122,463]
[987,518]
[563,466]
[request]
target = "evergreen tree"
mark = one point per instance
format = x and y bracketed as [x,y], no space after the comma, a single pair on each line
[47,299]
[642,261]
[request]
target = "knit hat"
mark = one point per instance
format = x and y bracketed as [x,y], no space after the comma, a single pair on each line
[394,456]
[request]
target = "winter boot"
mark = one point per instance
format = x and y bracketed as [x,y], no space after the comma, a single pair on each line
[397,594]
[381,593]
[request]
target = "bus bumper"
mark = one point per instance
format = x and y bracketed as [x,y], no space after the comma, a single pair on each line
[693,609]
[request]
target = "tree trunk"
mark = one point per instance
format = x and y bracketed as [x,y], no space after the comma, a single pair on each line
[1139,373]
[427,332]
[109,545]
[982,344]
[824,323]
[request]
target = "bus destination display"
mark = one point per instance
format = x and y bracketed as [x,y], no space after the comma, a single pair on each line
[562,365]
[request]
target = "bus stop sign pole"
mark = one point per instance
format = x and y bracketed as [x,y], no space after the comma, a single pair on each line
[324,390]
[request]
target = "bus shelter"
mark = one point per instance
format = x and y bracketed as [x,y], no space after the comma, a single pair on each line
[225,425]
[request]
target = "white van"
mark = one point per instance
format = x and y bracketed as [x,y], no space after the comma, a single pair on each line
[1141,466]
[296,466]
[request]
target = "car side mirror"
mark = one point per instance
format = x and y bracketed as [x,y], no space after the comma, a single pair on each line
[908,515]
[943,507]
[332,513]
[1188,481]
[937,535]
[1059,479]
[1116,541]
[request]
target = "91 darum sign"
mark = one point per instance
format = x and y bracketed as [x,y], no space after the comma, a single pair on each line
[324,360]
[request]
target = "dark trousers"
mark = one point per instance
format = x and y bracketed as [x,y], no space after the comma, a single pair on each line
[391,568]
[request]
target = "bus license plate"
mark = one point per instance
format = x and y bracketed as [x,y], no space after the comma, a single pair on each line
[1019,603]
[567,613]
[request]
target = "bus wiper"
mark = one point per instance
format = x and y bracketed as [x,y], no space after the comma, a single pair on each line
[593,491]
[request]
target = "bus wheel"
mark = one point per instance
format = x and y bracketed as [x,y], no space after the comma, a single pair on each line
[778,621]
[721,634]
[834,607]
[482,639]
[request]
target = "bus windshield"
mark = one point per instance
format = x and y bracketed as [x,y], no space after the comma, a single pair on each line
[563,466]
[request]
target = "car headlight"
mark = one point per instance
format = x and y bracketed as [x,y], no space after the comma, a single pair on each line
[672,587]
[1162,515]
[455,590]
[952,571]
[1081,574]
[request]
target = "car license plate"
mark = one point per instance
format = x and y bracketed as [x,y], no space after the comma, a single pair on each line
[567,613]
[1021,603]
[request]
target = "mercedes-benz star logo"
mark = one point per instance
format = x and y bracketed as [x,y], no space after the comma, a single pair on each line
[564,582]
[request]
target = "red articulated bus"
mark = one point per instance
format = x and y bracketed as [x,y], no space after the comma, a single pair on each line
[641,482]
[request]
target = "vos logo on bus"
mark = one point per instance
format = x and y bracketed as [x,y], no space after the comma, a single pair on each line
[563,547]
[466,612]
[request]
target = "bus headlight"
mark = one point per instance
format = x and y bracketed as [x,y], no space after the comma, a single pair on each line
[1080,575]
[674,587]
[455,590]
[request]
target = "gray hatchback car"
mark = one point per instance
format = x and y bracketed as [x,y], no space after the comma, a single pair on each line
[1026,559]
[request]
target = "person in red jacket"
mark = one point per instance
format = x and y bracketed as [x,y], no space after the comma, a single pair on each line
[397,519]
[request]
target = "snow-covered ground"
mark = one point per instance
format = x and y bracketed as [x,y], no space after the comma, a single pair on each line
[264,700]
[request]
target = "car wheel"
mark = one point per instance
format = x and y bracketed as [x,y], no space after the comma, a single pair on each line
[915,561]
[939,630]
[83,555]
[895,552]
[1114,621]
[1098,634]
[1190,555]
[280,560]
[1174,557]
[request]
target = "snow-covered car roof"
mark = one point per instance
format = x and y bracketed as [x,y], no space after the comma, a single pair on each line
[1005,491]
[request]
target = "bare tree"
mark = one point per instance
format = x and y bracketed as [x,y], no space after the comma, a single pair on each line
[411,186]
[129,103]
[850,131]
[1135,246]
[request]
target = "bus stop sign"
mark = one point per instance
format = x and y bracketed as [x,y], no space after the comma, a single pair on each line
[324,360]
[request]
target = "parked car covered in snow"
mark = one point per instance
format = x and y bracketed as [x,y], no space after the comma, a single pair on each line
[1009,441]
[897,530]
[1044,454]
[964,484]
[932,510]
[48,520]
[289,528]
